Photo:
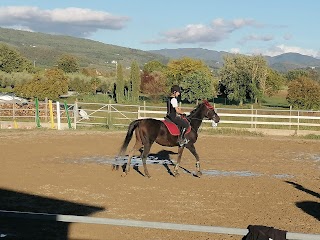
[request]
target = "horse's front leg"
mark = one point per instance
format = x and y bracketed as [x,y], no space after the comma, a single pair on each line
[176,167]
[192,149]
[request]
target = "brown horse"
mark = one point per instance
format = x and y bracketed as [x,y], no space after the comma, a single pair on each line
[150,130]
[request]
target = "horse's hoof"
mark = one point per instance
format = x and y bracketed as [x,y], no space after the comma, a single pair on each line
[124,174]
[198,174]
[146,174]
[176,174]
[115,167]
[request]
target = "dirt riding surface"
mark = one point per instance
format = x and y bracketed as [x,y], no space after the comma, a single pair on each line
[270,181]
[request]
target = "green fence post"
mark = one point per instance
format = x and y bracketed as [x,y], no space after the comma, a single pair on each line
[37,113]
[67,113]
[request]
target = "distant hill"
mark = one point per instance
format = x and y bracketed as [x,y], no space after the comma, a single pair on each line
[287,61]
[283,62]
[45,49]
[213,58]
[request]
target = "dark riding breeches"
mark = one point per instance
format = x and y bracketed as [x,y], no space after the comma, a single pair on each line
[180,122]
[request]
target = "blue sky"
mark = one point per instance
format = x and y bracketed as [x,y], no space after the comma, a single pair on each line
[268,27]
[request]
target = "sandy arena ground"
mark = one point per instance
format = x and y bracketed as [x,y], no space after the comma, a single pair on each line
[271,181]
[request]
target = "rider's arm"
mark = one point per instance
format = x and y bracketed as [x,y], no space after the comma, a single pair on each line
[174,103]
[179,111]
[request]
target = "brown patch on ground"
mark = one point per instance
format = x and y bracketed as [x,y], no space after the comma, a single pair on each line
[48,165]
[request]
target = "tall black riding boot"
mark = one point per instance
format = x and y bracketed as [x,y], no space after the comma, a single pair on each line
[182,140]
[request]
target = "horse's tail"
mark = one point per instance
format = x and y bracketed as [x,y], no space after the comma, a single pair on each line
[131,128]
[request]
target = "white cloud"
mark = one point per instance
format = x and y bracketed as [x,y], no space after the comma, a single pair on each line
[280,49]
[235,50]
[218,30]
[19,27]
[254,37]
[68,21]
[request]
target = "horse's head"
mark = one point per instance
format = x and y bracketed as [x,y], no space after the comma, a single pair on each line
[210,112]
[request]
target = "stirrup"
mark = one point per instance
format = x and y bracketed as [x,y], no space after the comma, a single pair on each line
[183,142]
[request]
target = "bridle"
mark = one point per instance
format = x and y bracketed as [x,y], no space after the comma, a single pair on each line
[209,108]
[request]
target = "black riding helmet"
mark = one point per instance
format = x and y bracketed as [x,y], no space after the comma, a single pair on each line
[175,88]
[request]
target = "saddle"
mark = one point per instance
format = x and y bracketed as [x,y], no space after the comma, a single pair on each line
[172,127]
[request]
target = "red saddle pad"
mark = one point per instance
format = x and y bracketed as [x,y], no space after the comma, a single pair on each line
[173,128]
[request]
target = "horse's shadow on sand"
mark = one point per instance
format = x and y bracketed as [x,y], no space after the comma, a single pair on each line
[163,157]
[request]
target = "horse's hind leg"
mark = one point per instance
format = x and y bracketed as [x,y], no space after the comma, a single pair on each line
[115,167]
[176,167]
[135,148]
[145,154]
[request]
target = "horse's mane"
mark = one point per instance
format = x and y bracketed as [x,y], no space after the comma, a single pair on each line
[194,111]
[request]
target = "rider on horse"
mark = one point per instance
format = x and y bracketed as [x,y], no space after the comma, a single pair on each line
[176,115]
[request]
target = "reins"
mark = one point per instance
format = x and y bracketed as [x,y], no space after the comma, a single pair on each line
[195,111]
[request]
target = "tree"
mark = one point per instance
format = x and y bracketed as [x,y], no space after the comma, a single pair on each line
[68,64]
[258,69]
[105,87]
[12,61]
[178,69]
[196,86]
[295,74]
[5,79]
[153,66]
[58,83]
[243,76]
[234,79]
[154,80]
[120,84]
[135,80]
[51,84]
[304,93]
[94,82]
[273,83]
[314,74]
[194,76]
[154,84]
[13,79]
[79,83]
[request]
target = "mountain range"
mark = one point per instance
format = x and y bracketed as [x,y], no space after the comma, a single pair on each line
[282,63]
[44,50]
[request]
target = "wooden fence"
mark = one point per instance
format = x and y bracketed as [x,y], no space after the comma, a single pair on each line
[119,115]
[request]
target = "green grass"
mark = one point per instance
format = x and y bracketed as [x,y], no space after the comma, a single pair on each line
[231,131]
[276,101]
[100,128]
[311,136]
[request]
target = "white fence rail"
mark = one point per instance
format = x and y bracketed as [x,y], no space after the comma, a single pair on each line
[120,115]
[145,224]
[254,118]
